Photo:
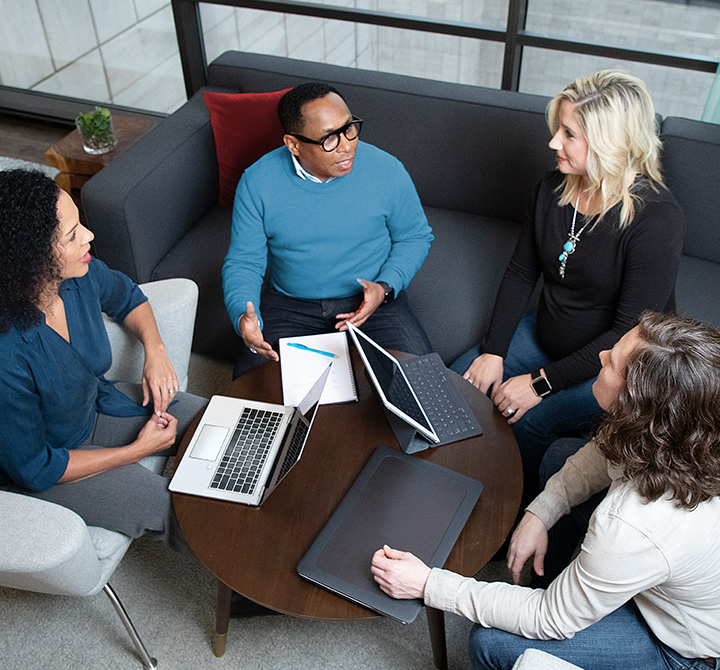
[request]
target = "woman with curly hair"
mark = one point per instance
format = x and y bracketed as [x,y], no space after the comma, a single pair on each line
[605,236]
[69,435]
[644,591]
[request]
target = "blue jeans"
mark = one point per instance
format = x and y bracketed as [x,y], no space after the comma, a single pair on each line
[568,531]
[621,640]
[570,411]
[393,326]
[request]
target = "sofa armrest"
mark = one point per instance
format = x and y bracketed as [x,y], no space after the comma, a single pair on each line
[45,548]
[150,196]
[174,303]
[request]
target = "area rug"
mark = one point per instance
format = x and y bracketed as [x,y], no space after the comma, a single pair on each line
[15,163]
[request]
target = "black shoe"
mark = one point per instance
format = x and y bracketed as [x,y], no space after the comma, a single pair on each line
[241,607]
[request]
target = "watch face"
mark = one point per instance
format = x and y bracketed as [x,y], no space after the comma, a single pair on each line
[389,291]
[541,386]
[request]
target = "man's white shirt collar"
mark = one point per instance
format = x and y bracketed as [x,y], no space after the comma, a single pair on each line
[304,174]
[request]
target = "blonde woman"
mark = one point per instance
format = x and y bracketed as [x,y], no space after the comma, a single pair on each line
[605,236]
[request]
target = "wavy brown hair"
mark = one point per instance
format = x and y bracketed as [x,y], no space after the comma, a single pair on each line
[663,429]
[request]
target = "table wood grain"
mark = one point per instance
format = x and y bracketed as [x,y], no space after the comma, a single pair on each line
[255,550]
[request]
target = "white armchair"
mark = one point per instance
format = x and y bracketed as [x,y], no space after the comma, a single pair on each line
[49,549]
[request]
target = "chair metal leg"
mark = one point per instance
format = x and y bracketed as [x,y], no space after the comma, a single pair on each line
[149,663]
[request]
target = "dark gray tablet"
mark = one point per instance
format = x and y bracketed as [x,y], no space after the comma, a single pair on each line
[399,500]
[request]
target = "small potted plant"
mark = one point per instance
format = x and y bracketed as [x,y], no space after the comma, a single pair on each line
[96,130]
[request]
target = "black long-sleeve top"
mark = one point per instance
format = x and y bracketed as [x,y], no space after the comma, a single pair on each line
[611,278]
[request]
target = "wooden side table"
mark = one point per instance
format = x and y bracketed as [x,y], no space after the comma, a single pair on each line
[77,166]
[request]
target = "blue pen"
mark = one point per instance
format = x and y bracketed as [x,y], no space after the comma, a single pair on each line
[315,351]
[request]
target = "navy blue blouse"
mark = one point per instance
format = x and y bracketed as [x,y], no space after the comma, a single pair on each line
[50,389]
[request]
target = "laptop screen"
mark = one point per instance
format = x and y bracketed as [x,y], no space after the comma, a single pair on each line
[392,381]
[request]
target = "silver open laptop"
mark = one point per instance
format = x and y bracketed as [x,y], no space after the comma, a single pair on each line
[242,449]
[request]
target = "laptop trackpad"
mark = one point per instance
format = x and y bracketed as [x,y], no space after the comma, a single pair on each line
[209,442]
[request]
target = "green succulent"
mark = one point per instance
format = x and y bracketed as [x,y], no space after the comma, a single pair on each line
[96,127]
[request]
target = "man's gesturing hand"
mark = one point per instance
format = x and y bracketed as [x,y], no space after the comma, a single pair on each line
[249,327]
[373,297]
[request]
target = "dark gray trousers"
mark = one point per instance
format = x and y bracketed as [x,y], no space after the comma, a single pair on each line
[130,499]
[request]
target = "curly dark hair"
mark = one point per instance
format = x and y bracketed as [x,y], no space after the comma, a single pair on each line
[663,429]
[291,104]
[29,230]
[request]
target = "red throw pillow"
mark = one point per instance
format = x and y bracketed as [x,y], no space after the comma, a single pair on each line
[245,127]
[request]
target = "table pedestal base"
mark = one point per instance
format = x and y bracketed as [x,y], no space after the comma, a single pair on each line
[435,617]
[436,624]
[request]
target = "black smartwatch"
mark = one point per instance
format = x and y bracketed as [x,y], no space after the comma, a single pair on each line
[540,385]
[389,292]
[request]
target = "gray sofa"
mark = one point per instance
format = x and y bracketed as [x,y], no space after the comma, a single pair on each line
[474,154]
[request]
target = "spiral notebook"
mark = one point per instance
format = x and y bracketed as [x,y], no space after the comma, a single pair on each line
[301,366]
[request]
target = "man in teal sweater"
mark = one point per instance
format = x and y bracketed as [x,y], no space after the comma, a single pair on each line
[339,228]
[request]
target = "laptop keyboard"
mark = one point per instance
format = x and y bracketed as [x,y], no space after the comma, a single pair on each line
[242,461]
[440,399]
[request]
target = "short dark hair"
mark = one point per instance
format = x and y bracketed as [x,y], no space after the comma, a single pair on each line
[29,230]
[291,104]
[663,429]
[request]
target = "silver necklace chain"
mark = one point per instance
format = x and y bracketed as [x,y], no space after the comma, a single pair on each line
[569,246]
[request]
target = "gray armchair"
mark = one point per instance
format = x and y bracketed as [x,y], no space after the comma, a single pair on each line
[49,549]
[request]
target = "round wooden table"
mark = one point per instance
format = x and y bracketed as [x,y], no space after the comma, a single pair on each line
[255,550]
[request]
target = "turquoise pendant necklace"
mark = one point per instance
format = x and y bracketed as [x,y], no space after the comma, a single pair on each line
[569,246]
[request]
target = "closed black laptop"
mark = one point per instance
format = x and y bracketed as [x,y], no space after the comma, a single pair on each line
[398,500]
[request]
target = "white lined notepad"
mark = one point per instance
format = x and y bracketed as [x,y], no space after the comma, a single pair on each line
[301,368]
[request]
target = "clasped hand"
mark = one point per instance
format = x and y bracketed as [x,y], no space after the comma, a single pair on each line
[517,394]
[158,433]
[400,574]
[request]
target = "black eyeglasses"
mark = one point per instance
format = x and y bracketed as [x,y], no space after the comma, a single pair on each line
[331,141]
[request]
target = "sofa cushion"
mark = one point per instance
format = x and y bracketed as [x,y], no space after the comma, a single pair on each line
[453,293]
[245,127]
[697,288]
[691,165]
[199,256]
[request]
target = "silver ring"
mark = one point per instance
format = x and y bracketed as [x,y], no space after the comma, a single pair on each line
[172,390]
[510,410]
[253,350]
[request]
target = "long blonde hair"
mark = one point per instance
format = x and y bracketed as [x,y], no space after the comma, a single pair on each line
[616,114]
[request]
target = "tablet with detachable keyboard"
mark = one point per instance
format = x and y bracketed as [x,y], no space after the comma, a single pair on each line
[398,500]
[242,449]
[422,404]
